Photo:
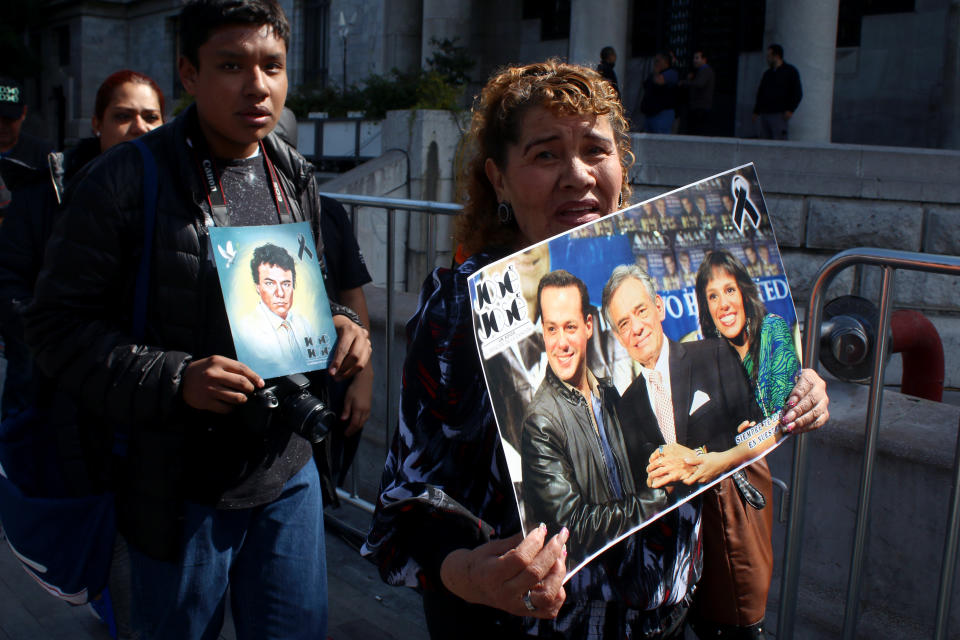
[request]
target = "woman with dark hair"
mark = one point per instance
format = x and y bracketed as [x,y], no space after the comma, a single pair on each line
[730,306]
[731,599]
[128,104]
[548,150]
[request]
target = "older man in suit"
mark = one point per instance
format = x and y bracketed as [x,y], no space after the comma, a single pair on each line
[697,394]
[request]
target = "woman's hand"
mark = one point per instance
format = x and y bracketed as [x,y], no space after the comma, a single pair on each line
[806,408]
[501,572]
[668,464]
[708,466]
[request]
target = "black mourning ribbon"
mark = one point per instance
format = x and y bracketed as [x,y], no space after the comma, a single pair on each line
[303,247]
[743,205]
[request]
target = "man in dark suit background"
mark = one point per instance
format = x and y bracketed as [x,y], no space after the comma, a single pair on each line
[696,392]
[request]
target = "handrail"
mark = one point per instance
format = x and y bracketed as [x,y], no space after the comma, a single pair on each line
[392,205]
[889,260]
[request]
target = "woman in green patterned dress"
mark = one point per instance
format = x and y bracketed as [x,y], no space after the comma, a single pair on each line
[738,556]
[730,307]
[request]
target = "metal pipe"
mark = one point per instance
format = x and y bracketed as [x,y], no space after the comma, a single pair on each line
[441,208]
[355,501]
[850,613]
[431,243]
[949,553]
[916,339]
[789,582]
[391,409]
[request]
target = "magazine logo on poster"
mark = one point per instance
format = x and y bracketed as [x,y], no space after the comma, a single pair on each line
[501,311]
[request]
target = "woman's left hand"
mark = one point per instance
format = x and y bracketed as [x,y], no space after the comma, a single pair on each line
[668,464]
[806,408]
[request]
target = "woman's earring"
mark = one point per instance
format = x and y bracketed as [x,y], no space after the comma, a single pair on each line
[96,133]
[504,213]
[620,201]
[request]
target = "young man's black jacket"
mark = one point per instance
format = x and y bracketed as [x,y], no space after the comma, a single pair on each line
[565,478]
[78,327]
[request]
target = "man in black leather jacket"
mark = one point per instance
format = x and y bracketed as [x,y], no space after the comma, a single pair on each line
[204,502]
[575,468]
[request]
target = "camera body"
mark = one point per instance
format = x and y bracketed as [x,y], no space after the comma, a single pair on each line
[287,402]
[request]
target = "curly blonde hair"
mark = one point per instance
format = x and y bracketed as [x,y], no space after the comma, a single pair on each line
[564,89]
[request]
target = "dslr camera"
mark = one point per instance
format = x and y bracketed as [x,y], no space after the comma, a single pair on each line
[287,402]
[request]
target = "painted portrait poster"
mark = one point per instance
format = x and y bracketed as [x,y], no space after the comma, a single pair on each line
[637,360]
[275,297]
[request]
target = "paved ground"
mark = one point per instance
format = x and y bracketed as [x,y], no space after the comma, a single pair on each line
[362,607]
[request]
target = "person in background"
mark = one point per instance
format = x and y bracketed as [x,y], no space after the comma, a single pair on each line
[20,153]
[700,83]
[608,59]
[14,144]
[778,96]
[659,104]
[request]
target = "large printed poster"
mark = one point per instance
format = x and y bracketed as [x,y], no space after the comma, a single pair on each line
[275,297]
[634,361]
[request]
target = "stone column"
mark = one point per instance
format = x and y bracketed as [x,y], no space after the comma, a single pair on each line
[808,33]
[402,34]
[444,19]
[595,25]
[950,139]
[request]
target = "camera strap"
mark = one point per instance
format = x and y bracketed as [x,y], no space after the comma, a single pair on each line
[214,189]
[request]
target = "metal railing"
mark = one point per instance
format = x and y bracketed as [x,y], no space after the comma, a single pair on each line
[392,206]
[888,261]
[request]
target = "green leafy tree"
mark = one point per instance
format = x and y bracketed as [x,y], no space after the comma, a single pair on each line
[451,61]
[441,87]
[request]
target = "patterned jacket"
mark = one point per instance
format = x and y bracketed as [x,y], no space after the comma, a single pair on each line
[445,486]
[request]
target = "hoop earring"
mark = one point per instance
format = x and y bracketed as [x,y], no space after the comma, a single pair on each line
[620,201]
[504,212]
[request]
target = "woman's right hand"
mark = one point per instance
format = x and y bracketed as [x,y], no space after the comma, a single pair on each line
[501,572]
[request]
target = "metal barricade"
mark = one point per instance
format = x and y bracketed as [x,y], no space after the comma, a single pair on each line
[392,206]
[888,261]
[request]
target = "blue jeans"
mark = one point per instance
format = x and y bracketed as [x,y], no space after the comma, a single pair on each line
[272,558]
[661,122]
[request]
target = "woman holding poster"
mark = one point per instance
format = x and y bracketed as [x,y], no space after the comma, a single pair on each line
[548,150]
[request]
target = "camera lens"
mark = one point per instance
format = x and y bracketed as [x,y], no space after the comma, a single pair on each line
[309,416]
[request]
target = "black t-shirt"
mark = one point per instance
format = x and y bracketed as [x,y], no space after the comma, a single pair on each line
[346,268]
[231,465]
